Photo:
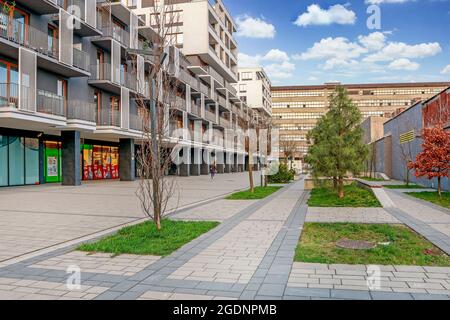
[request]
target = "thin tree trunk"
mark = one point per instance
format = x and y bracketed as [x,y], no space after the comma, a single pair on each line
[439,187]
[407,176]
[335,183]
[341,187]
[250,176]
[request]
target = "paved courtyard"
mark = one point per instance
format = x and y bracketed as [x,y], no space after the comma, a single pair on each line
[38,217]
[248,256]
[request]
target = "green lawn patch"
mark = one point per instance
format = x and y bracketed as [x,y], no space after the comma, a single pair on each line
[433,197]
[318,245]
[372,179]
[144,239]
[404,186]
[260,193]
[354,197]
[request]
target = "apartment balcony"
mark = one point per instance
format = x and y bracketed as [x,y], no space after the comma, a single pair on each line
[85,16]
[136,123]
[81,59]
[109,118]
[211,116]
[189,79]
[129,80]
[39,6]
[19,108]
[195,110]
[111,31]
[179,103]
[102,78]
[222,101]
[81,115]
[203,88]
[50,103]
[224,122]
[231,89]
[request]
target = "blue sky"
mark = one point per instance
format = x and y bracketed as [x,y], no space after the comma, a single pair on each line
[317,41]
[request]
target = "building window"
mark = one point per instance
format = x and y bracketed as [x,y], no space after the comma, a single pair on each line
[52,35]
[246,76]
[242,88]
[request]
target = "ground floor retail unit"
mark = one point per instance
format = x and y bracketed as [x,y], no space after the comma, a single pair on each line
[33,158]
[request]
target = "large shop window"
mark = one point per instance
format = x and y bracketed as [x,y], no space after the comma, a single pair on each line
[19,161]
[100,162]
[52,161]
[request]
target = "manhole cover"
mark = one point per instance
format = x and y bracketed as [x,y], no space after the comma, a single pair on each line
[355,244]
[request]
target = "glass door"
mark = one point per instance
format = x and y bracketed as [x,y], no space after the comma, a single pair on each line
[9,84]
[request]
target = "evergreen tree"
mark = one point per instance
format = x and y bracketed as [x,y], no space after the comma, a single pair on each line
[338,147]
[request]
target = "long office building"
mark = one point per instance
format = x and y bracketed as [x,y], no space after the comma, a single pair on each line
[68,109]
[296,109]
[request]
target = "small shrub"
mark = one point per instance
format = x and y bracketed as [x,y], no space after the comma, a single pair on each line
[284,175]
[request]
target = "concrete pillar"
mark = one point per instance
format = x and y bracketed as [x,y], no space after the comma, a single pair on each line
[195,161]
[71,162]
[240,162]
[204,167]
[185,165]
[227,166]
[127,163]
[220,162]
[234,165]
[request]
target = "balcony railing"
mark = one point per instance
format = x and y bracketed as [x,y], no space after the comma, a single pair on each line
[231,89]
[9,95]
[101,71]
[187,78]
[116,33]
[109,118]
[50,103]
[67,4]
[195,109]
[204,89]
[180,103]
[80,59]
[81,110]
[211,116]
[136,122]
[224,122]
[129,80]
[215,74]
[28,36]
[222,101]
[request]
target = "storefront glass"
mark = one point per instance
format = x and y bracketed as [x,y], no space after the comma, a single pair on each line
[52,161]
[16,161]
[31,161]
[3,160]
[100,162]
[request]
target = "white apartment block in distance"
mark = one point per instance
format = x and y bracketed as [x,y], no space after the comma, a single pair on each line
[254,88]
[203,31]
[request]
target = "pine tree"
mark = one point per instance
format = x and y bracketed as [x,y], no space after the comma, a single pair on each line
[338,147]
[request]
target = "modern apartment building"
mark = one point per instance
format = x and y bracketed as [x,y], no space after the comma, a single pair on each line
[254,88]
[68,108]
[297,108]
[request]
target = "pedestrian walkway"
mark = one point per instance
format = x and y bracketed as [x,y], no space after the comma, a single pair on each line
[248,256]
[429,220]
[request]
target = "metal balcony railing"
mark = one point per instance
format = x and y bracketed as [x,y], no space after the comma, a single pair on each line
[9,95]
[81,110]
[100,71]
[211,116]
[117,33]
[50,103]
[67,5]
[28,36]
[136,122]
[195,109]
[80,59]
[222,101]
[204,89]
[129,80]
[180,103]
[188,79]
[224,122]
[109,118]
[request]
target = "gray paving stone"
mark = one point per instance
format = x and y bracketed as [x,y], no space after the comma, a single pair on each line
[390,296]
[350,294]
[271,290]
[305,292]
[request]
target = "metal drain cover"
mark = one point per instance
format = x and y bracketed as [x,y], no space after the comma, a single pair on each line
[355,244]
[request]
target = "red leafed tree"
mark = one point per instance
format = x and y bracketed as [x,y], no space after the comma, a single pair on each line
[434,159]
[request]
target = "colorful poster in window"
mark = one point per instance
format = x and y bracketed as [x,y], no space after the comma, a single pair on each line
[115,163]
[97,162]
[52,167]
[88,172]
[106,160]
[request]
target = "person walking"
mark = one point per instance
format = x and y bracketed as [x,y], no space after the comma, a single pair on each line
[213,171]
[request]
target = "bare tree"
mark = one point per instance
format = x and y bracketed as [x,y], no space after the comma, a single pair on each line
[154,157]
[289,148]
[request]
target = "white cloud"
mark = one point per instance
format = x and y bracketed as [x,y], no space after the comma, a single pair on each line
[397,50]
[254,27]
[386,1]
[315,15]
[373,41]
[333,48]
[276,55]
[446,70]
[404,64]
[275,62]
